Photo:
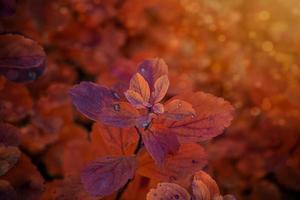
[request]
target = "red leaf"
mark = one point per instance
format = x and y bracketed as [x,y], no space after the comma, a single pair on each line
[9,135]
[167,191]
[106,175]
[102,104]
[152,69]
[161,86]
[177,109]
[160,143]
[114,141]
[189,159]
[139,85]
[21,59]
[25,179]
[213,114]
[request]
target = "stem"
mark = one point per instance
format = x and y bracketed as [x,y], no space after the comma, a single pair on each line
[136,151]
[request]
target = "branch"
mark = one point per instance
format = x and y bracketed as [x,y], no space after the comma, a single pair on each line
[136,151]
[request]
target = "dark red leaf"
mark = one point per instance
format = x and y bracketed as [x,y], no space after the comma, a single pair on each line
[160,143]
[8,158]
[168,191]
[7,7]
[21,59]
[106,175]
[7,192]
[189,159]
[9,135]
[102,104]
[213,114]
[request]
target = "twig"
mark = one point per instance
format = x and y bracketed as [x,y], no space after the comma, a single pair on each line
[136,151]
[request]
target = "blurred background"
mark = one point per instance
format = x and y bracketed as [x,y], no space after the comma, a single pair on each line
[244,51]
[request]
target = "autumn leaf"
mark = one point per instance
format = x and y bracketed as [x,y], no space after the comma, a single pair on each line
[7,192]
[135,99]
[8,158]
[102,104]
[25,179]
[152,69]
[189,159]
[9,135]
[114,141]
[7,7]
[108,174]
[178,110]
[159,143]
[167,191]
[139,85]
[213,114]
[161,86]
[204,187]
[21,59]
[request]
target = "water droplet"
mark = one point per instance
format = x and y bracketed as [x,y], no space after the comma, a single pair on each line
[172,178]
[115,95]
[142,70]
[117,107]
[194,161]
[176,196]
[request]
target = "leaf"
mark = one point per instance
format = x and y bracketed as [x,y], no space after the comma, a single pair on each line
[152,69]
[189,159]
[178,110]
[168,191]
[204,185]
[7,192]
[136,99]
[66,189]
[139,85]
[25,179]
[158,108]
[102,104]
[114,141]
[7,7]
[213,115]
[8,158]
[106,175]
[159,143]
[161,86]
[9,135]
[21,59]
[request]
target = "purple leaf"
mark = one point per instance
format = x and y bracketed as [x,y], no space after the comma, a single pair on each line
[160,143]
[168,191]
[158,108]
[7,8]
[213,114]
[9,135]
[21,59]
[102,104]
[152,69]
[106,175]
